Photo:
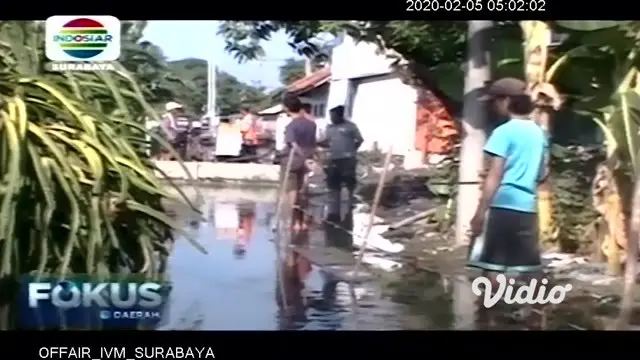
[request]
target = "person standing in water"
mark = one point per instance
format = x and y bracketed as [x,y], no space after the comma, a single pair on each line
[300,137]
[517,155]
[343,139]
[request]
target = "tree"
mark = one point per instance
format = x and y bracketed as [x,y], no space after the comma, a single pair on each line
[194,74]
[434,51]
[232,94]
[148,65]
[292,70]
[79,195]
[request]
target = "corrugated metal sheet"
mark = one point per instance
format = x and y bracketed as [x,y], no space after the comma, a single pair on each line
[272,110]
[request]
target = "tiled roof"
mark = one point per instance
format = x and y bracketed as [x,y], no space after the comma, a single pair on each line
[312,81]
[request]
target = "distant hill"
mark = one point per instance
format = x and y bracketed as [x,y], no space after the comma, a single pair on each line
[232,93]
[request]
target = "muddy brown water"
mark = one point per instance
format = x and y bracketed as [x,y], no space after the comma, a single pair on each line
[229,289]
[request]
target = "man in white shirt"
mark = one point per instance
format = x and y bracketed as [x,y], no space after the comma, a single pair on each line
[281,124]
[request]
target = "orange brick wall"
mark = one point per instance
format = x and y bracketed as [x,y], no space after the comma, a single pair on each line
[436,131]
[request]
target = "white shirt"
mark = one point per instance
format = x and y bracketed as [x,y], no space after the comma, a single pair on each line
[321,129]
[229,140]
[281,124]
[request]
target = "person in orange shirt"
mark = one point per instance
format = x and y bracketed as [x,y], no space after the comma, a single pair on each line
[251,128]
[246,225]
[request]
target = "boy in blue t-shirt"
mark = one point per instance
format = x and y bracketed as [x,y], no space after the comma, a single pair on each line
[517,155]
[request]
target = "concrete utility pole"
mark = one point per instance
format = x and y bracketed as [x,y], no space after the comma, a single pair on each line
[307,66]
[478,73]
[211,87]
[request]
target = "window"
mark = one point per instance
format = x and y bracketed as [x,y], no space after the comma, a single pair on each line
[319,110]
[351,97]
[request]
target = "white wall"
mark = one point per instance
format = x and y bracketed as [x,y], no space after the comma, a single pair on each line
[377,101]
[350,60]
[384,109]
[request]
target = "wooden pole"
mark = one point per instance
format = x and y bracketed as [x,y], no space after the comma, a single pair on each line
[374,207]
[282,190]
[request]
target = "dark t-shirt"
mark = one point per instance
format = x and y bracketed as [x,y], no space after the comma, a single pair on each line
[301,131]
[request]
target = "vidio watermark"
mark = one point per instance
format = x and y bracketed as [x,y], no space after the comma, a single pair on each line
[525,294]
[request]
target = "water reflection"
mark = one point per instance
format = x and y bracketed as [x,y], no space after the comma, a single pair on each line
[266,289]
[339,232]
[294,271]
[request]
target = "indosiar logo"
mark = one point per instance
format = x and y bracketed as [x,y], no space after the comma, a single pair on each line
[80,302]
[82,38]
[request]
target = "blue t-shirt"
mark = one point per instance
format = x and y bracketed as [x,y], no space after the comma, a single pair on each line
[523,144]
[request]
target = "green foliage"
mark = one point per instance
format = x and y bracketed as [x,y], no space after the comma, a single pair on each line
[435,50]
[443,180]
[194,74]
[572,172]
[604,53]
[78,193]
[232,94]
[291,70]
[146,62]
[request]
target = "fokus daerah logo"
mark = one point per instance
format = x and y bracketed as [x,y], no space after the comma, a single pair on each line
[82,38]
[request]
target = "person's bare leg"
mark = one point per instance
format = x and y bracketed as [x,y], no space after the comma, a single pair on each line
[492,276]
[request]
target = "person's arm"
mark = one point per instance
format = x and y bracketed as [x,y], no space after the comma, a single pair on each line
[496,151]
[357,136]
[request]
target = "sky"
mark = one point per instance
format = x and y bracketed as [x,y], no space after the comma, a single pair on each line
[181,39]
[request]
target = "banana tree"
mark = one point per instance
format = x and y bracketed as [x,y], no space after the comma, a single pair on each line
[537,37]
[612,99]
[78,193]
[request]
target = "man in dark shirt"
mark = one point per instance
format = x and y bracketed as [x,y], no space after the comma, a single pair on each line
[343,139]
[300,138]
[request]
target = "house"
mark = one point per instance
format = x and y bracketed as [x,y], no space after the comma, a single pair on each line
[313,89]
[269,117]
[388,112]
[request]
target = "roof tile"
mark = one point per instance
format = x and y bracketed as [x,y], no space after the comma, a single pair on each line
[314,80]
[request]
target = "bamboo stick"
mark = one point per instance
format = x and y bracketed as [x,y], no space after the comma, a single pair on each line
[374,207]
[412,219]
[282,190]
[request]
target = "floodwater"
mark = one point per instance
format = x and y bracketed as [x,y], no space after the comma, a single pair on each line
[235,285]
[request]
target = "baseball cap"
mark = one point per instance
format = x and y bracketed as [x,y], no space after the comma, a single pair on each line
[508,86]
[172,105]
